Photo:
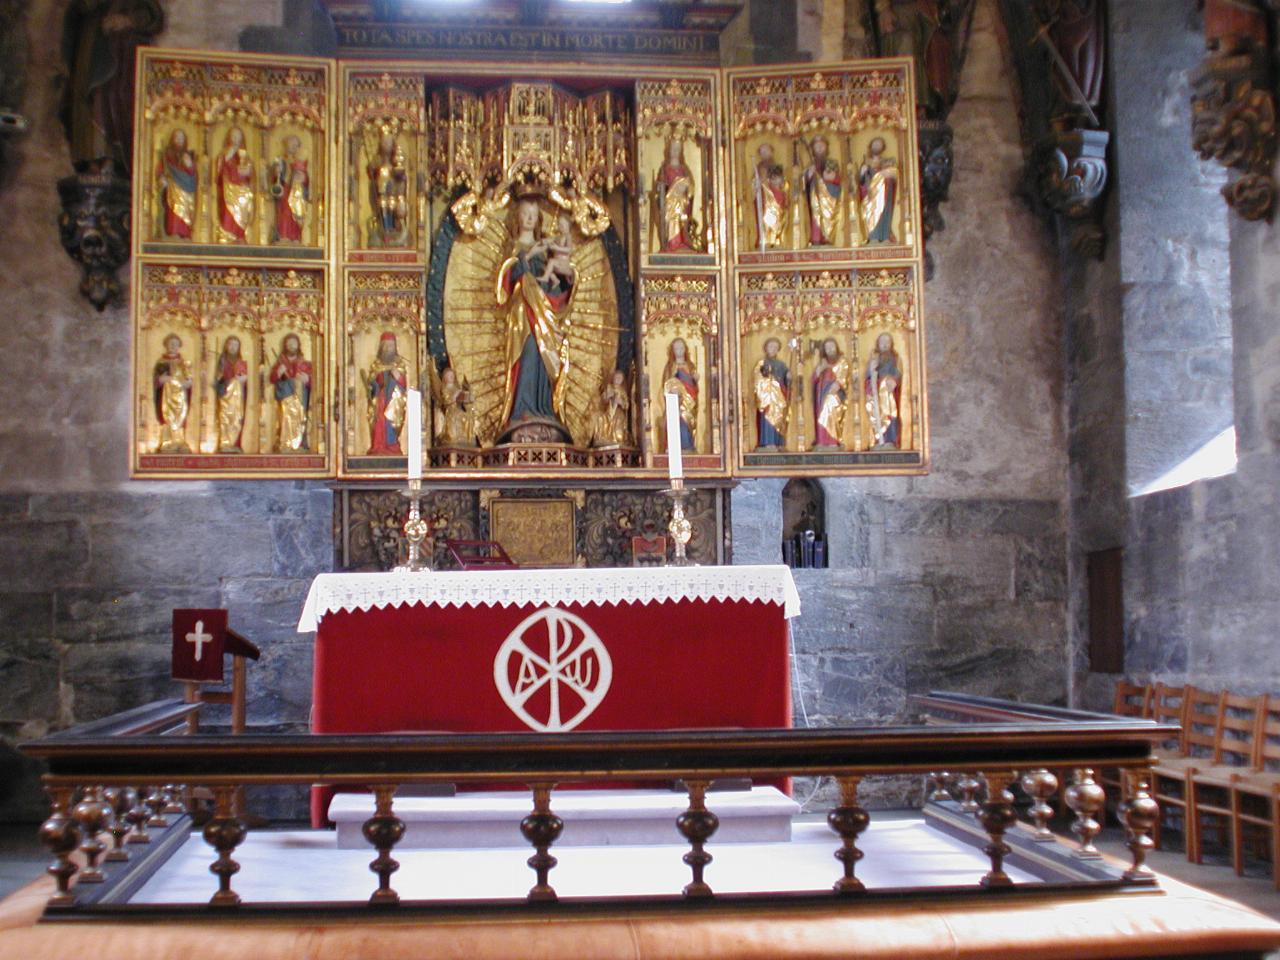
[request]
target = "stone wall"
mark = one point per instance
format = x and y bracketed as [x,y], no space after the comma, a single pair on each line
[954,580]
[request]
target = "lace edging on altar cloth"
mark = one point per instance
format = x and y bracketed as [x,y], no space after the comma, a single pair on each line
[361,591]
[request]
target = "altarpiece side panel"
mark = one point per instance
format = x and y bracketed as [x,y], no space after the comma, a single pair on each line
[545,253]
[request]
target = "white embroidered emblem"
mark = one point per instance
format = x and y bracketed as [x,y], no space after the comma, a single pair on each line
[565,657]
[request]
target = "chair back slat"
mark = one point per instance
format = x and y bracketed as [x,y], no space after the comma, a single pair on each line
[1241,726]
[1202,728]
[1132,699]
[1169,706]
[1267,756]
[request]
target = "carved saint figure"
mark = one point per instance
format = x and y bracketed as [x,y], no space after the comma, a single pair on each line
[822,189]
[176,177]
[389,193]
[611,420]
[291,385]
[387,387]
[883,389]
[233,188]
[773,396]
[172,383]
[673,193]
[291,190]
[877,192]
[830,395]
[538,304]
[455,424]
[681,378]
[772,199]
[230,386]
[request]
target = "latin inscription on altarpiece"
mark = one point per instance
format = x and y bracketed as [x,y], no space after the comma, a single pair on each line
[543,252]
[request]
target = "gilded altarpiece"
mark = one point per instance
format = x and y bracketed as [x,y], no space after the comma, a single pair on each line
[544,252]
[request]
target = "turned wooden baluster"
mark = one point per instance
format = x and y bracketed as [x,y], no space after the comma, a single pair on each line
[156,803]
[92,814]
[61,835]
[697,824]
[173,799]
[121,800]
[1140,814]
[968,785]
[996,816]
[939,792]
[224,833]
[848,820]
[384,830]
[542,828]
[1085,798]
[138,816]
[1040,785]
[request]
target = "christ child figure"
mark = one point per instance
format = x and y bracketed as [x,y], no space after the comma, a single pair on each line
[559,272]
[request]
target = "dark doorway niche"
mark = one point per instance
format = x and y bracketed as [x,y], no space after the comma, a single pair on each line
[804,523]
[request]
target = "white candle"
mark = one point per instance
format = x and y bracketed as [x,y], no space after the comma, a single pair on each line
[675,463]
[413,427]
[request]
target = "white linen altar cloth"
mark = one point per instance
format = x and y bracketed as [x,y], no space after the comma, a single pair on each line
[771,583]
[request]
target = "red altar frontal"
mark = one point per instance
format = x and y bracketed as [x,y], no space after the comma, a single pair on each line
[550,650]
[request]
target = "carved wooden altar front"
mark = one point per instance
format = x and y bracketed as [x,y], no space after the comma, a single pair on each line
[544,253]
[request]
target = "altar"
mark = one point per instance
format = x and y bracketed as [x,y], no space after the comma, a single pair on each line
[550,650]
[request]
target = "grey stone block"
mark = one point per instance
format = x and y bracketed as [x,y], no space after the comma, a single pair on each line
[1040,570]
[94,615]
[36,554]
[28,680]
[1024,518]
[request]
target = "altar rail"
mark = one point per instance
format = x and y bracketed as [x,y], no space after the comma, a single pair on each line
[117,809]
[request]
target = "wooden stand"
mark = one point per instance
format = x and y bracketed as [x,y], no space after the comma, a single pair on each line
[241,649]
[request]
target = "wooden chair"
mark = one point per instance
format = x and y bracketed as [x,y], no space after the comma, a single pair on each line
[1197,713]
[1131,700]
[1239,728]
[1262,782]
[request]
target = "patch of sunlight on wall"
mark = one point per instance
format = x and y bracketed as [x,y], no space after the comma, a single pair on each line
[1217,458]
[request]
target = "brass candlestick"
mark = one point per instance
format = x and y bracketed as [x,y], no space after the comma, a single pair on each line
[416,531]
[680,528]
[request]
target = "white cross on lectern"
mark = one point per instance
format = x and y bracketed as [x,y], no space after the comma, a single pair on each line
[199,638]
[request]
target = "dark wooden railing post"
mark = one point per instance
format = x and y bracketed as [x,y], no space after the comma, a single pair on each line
[1140,814]
[224,833]
[996,816]
[138,816]
[848,820]
[384,830]
[968,785]
[541,828]
[1085,798]
[121,799]
[61,835]
[156,803]
[92,814]
[697,824]
[1040,785]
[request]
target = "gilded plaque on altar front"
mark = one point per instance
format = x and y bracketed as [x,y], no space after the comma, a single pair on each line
[535,533]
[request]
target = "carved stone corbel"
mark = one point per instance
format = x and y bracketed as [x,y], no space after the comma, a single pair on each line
[94,227]
[1233,108]
[1071,173]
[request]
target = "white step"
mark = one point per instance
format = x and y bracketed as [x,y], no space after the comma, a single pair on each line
[591,818]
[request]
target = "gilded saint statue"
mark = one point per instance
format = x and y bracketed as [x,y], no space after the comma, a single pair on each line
[883,389]
[681,378]
[231,386]
[387,387]
[773,397]
[830,395]
[290,188]
[877,193]
[673,200]
[772,198]
[455,424]
[822,189]
[291,387]
[176,179]
[388,192]
[171,379]
[611,420]
[233,189]
[536,285]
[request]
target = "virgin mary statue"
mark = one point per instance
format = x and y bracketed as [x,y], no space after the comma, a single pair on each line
[536,285]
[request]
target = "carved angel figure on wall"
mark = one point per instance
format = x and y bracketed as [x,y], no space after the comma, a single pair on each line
[231,388]
[830,395]
[176,178]
[233,189]
[290,189]
[387,388]
[172,382]
[455,424]
[291,385]
[773,397]
[883,388]
[388,192]
[611,420]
